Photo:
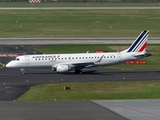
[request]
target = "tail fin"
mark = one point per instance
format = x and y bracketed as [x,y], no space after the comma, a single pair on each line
[139,45]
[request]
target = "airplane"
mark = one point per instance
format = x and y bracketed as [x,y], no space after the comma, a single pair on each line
[67,62]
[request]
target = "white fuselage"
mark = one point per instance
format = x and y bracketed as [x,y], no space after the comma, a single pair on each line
[52,60]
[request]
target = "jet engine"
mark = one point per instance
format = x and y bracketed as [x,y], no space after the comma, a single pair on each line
[62,68]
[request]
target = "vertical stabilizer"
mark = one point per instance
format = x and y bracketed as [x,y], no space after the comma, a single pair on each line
[139,45]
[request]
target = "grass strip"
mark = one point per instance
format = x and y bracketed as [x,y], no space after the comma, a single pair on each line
[73,48]
[77,23]
[94,91]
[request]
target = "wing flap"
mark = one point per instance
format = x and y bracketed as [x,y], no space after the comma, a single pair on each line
[83,65]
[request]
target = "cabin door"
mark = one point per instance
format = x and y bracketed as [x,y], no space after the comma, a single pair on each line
[119,56]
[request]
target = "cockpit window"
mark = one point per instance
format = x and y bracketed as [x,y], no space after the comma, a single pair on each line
[17,59]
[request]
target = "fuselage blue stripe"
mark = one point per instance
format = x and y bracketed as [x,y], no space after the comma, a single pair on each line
[132,47]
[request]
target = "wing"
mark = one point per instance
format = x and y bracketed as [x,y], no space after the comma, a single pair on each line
[83,65]
[79,65]
[86,65]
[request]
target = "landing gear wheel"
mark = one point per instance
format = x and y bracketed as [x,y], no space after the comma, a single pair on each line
[78,71]
[22,71]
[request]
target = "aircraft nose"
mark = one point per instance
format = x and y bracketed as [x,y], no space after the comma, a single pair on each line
[9,65]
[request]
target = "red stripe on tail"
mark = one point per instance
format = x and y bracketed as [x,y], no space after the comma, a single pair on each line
[143,47]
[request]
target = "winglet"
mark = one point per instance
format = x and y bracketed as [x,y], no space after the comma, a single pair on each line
[100,59]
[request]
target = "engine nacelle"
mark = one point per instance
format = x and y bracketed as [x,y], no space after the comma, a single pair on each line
[63,68]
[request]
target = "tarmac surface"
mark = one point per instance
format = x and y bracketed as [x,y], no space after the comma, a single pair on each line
[66,110]
[134,109]
[13,85]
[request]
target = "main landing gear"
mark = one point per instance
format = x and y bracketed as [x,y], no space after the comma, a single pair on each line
[22,71]
[78,71]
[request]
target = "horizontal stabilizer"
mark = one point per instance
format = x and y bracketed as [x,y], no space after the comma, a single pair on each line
[143,55]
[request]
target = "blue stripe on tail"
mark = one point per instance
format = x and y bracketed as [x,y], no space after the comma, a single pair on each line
[144,38]
[136,42]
